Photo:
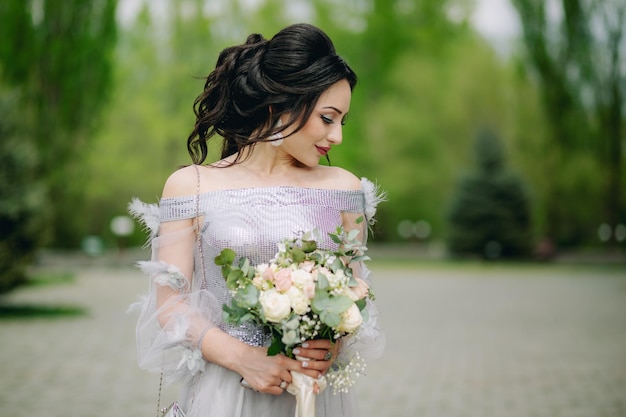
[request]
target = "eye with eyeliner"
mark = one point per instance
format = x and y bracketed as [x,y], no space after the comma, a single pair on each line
[330,121]
[327,119]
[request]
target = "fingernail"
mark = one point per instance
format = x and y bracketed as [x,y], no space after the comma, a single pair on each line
[305,345]
[305,364]
[296,351]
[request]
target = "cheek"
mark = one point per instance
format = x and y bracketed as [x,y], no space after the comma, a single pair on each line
[314,130]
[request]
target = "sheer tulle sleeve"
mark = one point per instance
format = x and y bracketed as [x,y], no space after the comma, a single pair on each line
[369,342]
[176,312]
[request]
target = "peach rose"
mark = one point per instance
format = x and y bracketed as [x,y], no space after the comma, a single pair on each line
[282,279]
[359,291]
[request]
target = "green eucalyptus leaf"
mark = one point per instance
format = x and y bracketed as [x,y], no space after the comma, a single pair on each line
[323,302]
[251,273]
[297,255]
[336,265]
[276,347]
[226,270]
[244,265]
[309,246]
[234,313]
[249,296]
[322,281]
[330,318]
[352,234]
[365,315]
[335,238]
[316,257]
[359,220]
[226,257]
[232,280]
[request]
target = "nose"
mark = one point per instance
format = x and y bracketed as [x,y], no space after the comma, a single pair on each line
[336,135]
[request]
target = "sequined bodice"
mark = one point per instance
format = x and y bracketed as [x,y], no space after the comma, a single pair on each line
[251,222]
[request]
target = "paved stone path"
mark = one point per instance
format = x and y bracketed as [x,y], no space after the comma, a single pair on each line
[463,341]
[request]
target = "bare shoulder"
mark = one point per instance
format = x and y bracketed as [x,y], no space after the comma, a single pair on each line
[340,178]
[181,182]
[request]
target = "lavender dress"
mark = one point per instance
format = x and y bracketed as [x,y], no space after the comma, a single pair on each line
[251,222]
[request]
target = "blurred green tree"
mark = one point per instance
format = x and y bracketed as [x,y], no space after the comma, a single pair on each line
[58,54]
[490,213]
[425,82]
[576,51]
[22,194]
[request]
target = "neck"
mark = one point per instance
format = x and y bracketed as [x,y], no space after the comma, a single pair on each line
[267,160]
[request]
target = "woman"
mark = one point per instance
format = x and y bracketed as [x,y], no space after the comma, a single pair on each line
[280,106]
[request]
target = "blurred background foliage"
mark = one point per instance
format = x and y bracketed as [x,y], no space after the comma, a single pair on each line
[101,105]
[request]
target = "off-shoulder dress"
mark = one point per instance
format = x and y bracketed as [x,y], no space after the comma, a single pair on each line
[250,221]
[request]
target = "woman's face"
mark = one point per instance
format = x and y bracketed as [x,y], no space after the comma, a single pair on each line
[323,129]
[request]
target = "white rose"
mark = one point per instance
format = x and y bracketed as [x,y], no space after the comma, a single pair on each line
[258,282]
[299,301]
[290,338]
[301,278]
[337,279]
[276,306]
[351,319]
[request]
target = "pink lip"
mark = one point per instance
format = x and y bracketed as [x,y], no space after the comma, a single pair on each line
[322,149]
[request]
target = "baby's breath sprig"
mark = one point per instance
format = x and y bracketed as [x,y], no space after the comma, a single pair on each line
[342,377]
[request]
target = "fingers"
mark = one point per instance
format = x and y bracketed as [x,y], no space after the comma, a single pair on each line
[272,374]
[267,374]
[316,349]
[275,387]
[318,344]
[317,354]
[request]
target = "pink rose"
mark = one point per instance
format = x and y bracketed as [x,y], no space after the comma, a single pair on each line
[309,290]
[268,274]
[282,279]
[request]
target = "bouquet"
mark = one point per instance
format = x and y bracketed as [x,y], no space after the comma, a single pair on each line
[303,293]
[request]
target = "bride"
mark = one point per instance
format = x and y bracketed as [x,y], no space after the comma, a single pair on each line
[279,105]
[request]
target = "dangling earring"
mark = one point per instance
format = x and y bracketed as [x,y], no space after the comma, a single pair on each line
[277,138]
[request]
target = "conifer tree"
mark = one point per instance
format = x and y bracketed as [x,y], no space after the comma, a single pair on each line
[490,215]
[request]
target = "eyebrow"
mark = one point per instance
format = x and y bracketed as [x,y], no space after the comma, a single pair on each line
[333,108]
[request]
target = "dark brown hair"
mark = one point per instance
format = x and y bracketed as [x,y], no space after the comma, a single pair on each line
[255,83]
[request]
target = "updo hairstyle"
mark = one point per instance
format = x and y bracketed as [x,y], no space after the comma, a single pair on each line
[256,83]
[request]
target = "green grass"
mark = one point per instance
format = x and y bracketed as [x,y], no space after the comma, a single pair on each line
[39,280]
[18,311]
[37,311]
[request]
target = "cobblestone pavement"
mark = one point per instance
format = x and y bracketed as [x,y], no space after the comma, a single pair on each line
[462,342]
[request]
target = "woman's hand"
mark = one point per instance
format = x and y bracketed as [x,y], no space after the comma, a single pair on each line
[266,373]
[318,354]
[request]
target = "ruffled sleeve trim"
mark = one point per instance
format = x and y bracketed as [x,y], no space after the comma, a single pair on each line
[165,274]
[373,196]
[147,214]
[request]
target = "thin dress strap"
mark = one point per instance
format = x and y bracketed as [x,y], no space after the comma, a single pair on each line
[198,231]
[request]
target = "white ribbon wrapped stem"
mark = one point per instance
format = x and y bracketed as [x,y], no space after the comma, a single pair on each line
[303,387]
